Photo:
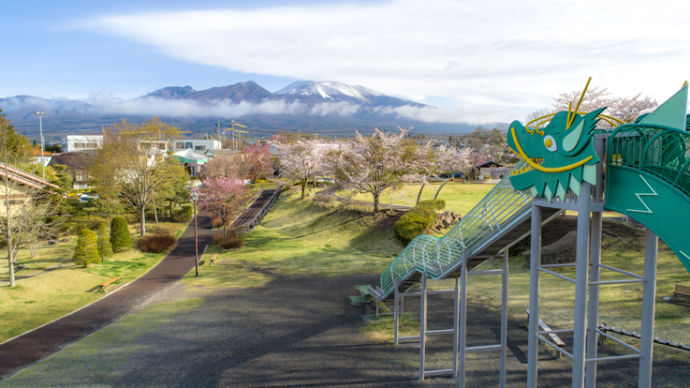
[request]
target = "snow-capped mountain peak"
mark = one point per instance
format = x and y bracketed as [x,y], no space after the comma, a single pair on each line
[328,90]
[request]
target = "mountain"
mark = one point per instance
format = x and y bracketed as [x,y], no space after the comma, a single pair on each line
[331,108]
[248,91]
[331,91]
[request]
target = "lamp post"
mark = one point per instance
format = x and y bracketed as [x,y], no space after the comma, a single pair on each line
[40,129]
[194,197]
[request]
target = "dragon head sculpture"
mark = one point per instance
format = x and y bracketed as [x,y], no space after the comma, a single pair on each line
[559,157]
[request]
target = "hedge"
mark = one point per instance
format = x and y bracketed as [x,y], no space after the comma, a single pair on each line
[119,235]
[86,250]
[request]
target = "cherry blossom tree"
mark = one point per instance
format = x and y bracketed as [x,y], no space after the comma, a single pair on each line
[380,161]
[301,161]
[449,159]
[223,197]
[626,109]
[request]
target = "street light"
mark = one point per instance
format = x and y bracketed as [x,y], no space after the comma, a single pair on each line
[194,197]
[40,128]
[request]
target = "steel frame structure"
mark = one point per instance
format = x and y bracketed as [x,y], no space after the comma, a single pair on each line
[459,329]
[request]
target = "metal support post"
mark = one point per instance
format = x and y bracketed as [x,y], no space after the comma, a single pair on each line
[422,327]
[456,325]
[535,262]
[196,241]
[593,306]
[648,295]
[581,266]
[504,320]
[396,312]
[463,323]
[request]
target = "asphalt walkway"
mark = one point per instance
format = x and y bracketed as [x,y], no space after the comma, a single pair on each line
[37,344]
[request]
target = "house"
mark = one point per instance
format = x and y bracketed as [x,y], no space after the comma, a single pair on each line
[76,143]
[17,186]
[492,170]
[191,160]
[78,164]
[199,146]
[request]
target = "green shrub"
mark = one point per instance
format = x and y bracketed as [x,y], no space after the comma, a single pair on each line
[119,235]
[414,222]
[105,248]
[436,204]
[86,251]
[184,214]
[156,243]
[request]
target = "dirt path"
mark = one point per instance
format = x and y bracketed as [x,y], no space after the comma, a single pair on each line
[32,346]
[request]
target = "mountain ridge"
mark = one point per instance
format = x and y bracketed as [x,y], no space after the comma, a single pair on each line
[307,106]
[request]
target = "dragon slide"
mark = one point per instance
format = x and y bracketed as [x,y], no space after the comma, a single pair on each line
[647,178]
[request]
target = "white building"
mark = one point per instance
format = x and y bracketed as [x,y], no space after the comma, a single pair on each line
[84,142]
[199,146]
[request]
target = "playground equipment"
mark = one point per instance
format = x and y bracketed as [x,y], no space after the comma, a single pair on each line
[646,176]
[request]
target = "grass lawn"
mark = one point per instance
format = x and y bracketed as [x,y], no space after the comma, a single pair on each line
[298,236]
[60,287]
[459,197]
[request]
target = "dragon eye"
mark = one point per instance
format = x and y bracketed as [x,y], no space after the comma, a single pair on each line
[550,143]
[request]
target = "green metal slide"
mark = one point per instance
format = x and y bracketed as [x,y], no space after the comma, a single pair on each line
[648,179]
[498,212]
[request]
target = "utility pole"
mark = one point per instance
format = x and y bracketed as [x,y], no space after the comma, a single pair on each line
[40,129]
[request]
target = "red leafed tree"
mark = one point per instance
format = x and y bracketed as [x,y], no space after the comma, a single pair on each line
[256,162]
[223,197]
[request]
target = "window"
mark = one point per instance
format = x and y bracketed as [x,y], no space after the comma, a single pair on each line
[199,148]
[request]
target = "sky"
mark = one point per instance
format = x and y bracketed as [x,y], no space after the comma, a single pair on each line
[473,61]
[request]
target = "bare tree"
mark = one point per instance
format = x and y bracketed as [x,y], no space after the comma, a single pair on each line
[301,161]
[26,206]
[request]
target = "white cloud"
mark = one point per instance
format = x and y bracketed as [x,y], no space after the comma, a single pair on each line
[220,108]
[489,56]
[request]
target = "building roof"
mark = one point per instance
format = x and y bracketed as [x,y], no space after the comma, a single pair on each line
[490,163]
[79,160]
[189,156]
[24,178]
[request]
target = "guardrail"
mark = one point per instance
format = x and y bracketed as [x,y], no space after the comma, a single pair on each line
[252,215]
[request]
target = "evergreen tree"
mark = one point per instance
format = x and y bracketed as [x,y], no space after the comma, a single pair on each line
[86,250]
[119,235]
[105,248]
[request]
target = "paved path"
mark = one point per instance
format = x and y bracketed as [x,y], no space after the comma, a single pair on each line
[46,340]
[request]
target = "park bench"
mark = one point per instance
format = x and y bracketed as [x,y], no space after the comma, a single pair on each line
[552,336]
[681,294]
[101,287]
